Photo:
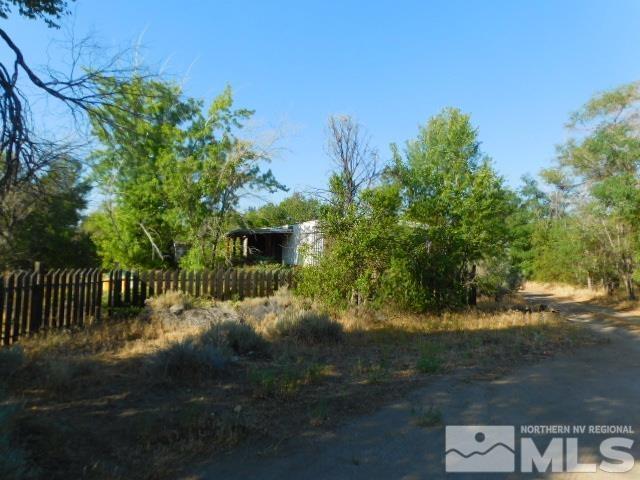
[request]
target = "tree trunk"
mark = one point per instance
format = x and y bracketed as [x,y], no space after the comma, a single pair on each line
[628,285]
[589,281]
[610,288]
[473,289]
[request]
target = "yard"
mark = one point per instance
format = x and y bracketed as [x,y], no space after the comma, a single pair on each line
[189,379]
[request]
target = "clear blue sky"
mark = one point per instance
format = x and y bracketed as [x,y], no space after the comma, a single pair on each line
[518,67]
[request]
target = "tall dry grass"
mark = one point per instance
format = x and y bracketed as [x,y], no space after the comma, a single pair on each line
[145,395]
[596,296]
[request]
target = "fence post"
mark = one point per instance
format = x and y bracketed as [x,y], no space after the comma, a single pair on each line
[37,297]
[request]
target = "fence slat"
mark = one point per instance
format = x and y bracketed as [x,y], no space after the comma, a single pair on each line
[198,280]
[2,300]
[8,314]
[241,276]
[152,286]
[35,300]
[17,307]
[167,280]
[127,288]
[175,276]
[135,289]
[48,297]
[100,280]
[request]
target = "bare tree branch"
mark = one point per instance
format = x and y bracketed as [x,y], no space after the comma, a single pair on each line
[355,160]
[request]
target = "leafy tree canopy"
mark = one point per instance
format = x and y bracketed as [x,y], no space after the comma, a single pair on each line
[172,176]
[294,209]
[48,10]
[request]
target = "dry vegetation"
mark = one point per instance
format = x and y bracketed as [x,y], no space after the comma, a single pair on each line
[594,296]
[144,397]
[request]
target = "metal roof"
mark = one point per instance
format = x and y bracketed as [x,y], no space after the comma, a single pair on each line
[242,232]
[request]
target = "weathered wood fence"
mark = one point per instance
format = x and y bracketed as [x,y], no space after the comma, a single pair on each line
[31,301]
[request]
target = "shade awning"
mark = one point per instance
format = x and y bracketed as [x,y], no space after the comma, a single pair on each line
[248,232]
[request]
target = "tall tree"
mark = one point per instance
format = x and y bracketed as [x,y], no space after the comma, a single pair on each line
[355,161]
[459,203]
[50,232]
[601,162]
[296,208]
[172,177]
[27,156]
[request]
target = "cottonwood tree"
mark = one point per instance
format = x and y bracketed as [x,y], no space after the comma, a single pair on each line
[457,202]
[296,208]
[412,239]
[602,161]
[174,176]
[27,157]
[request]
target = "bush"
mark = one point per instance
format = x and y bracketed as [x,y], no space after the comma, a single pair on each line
[241,338]
[307,327]
[168,299]
[188,360]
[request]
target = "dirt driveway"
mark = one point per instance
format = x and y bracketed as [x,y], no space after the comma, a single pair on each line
[597,386]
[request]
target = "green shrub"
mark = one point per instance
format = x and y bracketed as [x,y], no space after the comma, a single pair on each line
[283,381]
[188,360]
[307,327]
[241,338]
[430,360]
[428,364]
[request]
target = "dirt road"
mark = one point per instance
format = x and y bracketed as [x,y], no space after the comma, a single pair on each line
[596,386]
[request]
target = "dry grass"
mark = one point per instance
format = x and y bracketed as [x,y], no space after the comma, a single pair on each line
[142,398]
[596,296]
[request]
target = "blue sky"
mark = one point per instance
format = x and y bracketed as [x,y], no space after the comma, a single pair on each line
[518,67]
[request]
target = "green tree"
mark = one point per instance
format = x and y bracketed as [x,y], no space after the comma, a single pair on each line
[294,209]
[598,174]
[459,203]
[48,10]
[415,238]
[50,232]
[172,174]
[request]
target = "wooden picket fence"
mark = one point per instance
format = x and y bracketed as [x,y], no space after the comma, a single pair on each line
[37,300]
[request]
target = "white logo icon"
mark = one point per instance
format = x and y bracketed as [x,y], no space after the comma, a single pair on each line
[480,448]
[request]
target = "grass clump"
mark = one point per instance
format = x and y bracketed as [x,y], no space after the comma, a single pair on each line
[170,298]
[241,338]
[429,360]
[428,417]
[307,327]
[284,381]
[188,360]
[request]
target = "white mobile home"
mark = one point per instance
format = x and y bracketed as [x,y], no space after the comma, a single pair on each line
[298,244]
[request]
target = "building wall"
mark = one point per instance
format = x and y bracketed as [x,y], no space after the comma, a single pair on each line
[304,245]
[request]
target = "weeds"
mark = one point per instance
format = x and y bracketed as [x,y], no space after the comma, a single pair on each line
[429,360]
[284,381]
[188,360]
[429,417]
[241,338]
[262,366]
[307,327]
